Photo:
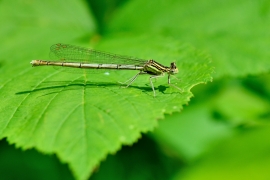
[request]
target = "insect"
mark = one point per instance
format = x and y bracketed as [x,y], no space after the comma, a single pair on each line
[77,57]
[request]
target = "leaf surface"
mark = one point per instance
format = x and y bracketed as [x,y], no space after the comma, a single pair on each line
[242,157]
[83,117]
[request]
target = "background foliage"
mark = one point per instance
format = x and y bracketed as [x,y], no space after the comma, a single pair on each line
[222,133]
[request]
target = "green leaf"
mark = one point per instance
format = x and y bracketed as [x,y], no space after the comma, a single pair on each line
[235,33]
[247,107]
[39,24]
[83,117]
[192,133]
[245,156]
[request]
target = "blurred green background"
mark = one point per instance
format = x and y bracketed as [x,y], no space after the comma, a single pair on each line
[222,134]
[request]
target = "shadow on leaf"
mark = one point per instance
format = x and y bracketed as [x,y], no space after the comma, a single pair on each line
[66,86]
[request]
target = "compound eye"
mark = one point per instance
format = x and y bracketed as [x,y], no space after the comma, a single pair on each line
[173,68]
[173,65]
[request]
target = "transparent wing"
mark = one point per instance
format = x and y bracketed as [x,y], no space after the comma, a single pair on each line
[70,53]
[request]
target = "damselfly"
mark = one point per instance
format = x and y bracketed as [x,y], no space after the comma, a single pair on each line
[70,56]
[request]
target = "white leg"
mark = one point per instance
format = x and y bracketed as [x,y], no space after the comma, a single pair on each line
[169,82]
[131,80]
[154,77]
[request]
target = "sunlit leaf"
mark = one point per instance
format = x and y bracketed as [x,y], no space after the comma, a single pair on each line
[84,117]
